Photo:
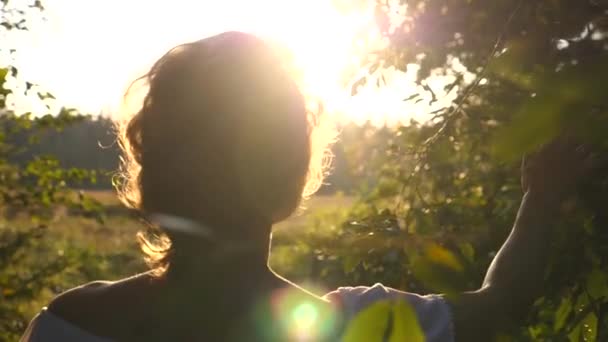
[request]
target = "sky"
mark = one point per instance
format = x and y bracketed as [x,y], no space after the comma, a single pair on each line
[86,52]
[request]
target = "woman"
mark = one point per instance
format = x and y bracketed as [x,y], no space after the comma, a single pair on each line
[223,148]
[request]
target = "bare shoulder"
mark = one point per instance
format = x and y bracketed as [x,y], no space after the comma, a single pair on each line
[100,307]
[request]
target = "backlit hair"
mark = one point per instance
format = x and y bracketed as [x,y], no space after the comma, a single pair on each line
[223,135]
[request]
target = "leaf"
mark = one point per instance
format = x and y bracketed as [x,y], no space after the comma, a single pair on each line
[405,324]
[468,251]
[586,330]
[369,324]
[6,292]
[536,123]
[3,73]
[350,262]
[442,256]
[597,284]
[411,97]
[562,313]
[354,89]
[397,319]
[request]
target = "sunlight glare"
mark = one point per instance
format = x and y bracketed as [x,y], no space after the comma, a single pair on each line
[92,50]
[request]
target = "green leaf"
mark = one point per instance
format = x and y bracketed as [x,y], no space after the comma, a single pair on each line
[597,284]
[562,313]
[468,251]
[350,262]
[536,123]
[586,330]
[405,324]
[442,256]
[370,324]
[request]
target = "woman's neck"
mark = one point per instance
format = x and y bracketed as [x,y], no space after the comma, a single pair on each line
[221,262]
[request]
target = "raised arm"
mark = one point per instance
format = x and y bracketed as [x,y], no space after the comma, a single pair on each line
[515,277]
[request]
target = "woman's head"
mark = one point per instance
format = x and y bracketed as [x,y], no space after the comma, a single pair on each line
[223,136]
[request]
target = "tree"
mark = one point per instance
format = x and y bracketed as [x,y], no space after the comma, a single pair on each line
[30,193]
[439,197]
[446,191]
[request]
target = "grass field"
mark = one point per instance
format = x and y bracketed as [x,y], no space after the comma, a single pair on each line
[315,204]
[119,226]
[118,229]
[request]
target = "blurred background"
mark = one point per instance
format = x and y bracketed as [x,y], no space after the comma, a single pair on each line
[435,101]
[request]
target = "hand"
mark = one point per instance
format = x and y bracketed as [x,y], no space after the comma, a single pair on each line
[556,169]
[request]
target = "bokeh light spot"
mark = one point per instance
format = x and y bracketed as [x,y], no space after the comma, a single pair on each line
[304,316]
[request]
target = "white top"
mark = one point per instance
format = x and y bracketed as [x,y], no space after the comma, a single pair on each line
[432,311]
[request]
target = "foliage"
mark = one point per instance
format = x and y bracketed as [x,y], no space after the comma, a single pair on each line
[446,192]
[436,199]
[87,143]
[394,320]
[33,192]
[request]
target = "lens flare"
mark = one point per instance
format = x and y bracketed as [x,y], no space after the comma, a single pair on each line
[304,317]
[300,315]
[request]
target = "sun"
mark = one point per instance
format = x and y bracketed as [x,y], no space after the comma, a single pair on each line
[329,43]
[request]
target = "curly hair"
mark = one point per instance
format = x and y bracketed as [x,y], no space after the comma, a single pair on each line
[223,136]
